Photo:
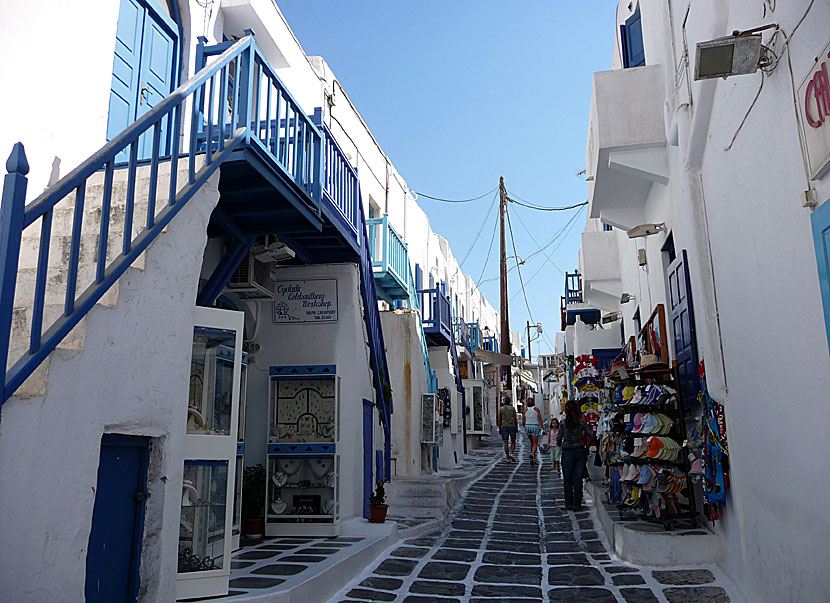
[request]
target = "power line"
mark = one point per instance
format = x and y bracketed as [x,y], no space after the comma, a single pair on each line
[489,249]
[562,232]
[478,234]
[519,270]
[525,203]
[567,228]
[453,200]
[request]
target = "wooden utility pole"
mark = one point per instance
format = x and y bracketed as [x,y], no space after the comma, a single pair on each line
[505,346]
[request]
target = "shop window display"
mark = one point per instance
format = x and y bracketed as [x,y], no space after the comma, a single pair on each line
[303,465]
[202,521]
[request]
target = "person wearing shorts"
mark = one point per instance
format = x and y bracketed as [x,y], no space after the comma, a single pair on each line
[532,421]
[508,427]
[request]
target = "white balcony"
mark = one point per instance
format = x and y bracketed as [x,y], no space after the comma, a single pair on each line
[599,264]
[626,151]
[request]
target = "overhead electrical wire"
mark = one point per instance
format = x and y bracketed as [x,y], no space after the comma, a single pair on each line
[489,249]
[478,234]
[518,269]
[514,198]
[566,229]
[454,200]
[556,237]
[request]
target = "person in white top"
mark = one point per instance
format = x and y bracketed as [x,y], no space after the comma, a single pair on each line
[532,421]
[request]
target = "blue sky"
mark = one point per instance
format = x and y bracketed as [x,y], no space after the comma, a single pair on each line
[461,92]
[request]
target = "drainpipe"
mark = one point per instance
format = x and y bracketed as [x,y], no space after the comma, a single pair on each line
[694,126]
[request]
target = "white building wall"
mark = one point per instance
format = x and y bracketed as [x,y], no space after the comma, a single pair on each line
[403,349]
[757,305]
[342,343]
[131,377]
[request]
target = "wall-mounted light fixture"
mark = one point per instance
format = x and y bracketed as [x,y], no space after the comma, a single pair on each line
[645,230]
[626,297]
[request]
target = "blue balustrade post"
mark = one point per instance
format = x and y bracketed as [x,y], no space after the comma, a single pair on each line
[246,88]
[12,209]
[385,252]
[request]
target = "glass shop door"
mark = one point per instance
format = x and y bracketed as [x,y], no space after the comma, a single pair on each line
[210,461]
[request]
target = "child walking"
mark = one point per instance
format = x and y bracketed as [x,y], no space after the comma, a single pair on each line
[555,451]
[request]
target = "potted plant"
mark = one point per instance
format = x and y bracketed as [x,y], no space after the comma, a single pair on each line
[253,501]
[377,505]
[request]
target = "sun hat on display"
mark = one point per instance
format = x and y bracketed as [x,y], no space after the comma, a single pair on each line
[645,475]
[638,423]
[655,445]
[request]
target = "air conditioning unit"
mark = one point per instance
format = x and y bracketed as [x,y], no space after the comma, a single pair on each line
[252,279]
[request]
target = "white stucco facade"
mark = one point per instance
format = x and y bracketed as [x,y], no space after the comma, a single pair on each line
[727,182]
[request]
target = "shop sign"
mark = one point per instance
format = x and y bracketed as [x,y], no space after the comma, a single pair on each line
[814,110]
[313,300]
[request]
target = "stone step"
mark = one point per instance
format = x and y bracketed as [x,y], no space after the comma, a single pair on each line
[24,293]
[418,488]
[21,329]
[417,512]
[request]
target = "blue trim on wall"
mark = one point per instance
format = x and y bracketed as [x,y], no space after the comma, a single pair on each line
[302,448]
[300,371]
[821,240]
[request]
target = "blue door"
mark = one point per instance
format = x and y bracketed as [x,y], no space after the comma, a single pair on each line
[368,414]
[142,71]
[821,240]
[683,328]
[114,551]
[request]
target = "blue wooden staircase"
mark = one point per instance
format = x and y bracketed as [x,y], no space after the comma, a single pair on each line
[282,172]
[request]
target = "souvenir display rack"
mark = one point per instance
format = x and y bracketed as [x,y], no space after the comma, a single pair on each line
[643,433]
[303,472]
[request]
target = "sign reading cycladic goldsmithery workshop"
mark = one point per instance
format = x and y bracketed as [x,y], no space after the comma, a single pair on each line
[313,300]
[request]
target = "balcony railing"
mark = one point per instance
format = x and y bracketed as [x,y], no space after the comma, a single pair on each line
[340,181]
[475,334]
[390,258]
[490,343]
[462,333]
[437,316]
[573,288]
[276,124]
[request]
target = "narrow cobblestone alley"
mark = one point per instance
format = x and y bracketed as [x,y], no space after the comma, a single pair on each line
[509,540]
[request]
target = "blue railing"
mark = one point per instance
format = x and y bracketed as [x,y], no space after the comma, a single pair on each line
[340,181]
[475,334]
[415,304]
[462,333]
[490,343]
[163,123]
[274,121]
[573,288]
[389,252]
[437,312]
[377,348]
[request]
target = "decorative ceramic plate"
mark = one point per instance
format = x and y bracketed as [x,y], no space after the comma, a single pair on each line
[279,478]
[279,506]
[291,466]
[321,467]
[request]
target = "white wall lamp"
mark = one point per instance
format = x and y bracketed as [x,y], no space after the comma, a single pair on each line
[645,230]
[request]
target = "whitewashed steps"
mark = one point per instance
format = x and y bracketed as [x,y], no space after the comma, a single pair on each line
[59,250]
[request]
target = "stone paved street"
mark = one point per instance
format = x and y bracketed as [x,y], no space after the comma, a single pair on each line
[509,540]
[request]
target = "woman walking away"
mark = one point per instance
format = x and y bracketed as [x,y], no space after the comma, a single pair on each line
[532,421]
[555,450]
[574,453]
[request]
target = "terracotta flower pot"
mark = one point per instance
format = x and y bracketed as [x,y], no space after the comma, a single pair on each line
[255,527]
[377,513]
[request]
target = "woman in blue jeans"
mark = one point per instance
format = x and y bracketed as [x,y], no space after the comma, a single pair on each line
[574,453]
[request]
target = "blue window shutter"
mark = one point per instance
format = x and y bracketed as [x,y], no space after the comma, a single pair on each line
[634,54]
[419,277]
[821,240]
